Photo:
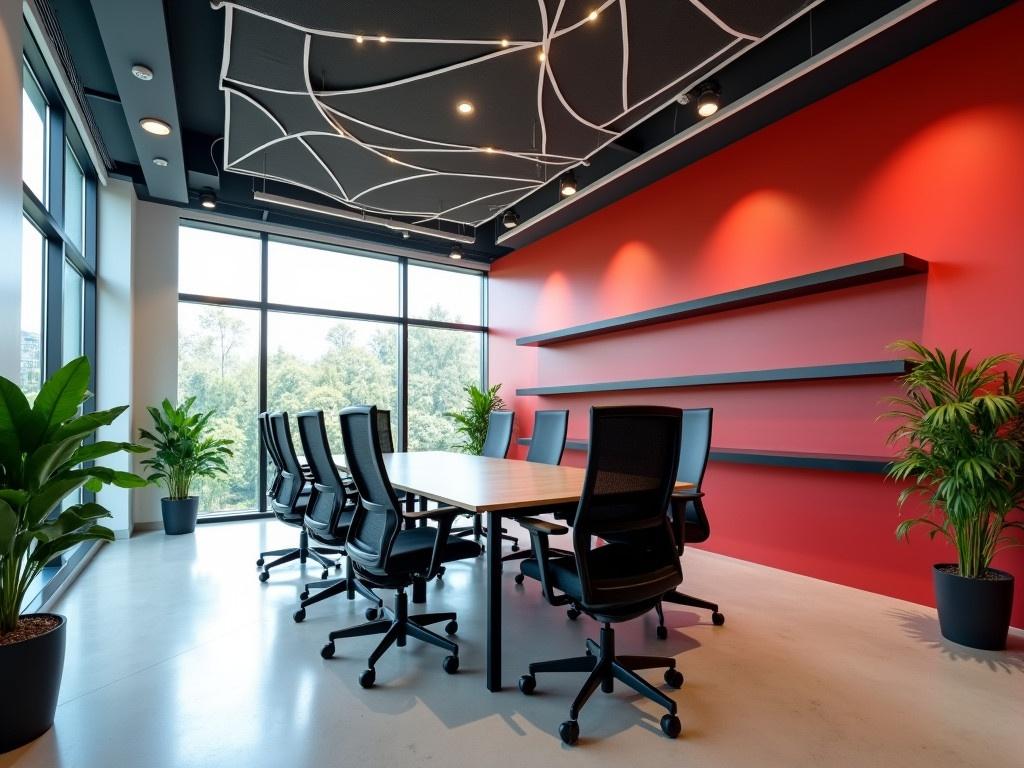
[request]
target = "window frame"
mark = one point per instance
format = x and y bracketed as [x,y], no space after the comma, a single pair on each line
[401,320]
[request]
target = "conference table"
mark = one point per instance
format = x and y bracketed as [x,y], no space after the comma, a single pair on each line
[484,486]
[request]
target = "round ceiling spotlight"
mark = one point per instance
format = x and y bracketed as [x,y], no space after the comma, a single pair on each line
[142,72]
[383,38]
[465,107]
[707,99]
[359,39]
[504,42]
[455,252]
[405,234]
[160,162]
[541,56]
[208,200]
[567,186]
[510,219]
[592,16]
[155,126]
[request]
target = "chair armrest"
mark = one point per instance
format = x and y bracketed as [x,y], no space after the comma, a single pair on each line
[687,495]
[436,514]
[534,524]
[444,527]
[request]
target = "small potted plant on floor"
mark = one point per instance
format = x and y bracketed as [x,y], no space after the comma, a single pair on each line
[961,444]
[471,421]
[183,452]
[42,462]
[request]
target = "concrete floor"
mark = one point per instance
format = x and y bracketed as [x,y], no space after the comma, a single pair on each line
[178,656]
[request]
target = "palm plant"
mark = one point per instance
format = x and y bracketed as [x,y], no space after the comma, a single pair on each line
[962,447]
[42,461]
[471,421]
[183,451]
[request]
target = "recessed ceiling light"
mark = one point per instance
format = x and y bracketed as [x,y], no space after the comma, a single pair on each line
[383,38]
[707,99]
[541,56]
[391,159]
[405,234]
[142,72]
[359,39]
[160,161]
[592,16]
[510,219]
[208,200]
[155,126]
[504,42]
[568,184]
[465,107]
[489,150]
[456,251]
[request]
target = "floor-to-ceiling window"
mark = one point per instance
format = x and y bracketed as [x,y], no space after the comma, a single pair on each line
[275,323]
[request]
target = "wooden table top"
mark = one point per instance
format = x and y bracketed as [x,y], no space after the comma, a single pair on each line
[481,484]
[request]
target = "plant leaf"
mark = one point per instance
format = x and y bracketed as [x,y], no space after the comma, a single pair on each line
[60,396]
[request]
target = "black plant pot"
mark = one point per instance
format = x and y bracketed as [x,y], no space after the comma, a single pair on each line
[179,515]
[31,671]
[973,612]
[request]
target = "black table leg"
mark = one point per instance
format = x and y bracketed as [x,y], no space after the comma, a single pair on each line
[493,600]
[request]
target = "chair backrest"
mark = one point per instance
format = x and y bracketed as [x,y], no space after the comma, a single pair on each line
[292,481]
[631,471]
[328,499]
[387,442]
[499,434]
[548,441]
[693,461]
[263,420]
[377,519]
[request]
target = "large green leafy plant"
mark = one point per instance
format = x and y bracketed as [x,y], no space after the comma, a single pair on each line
[183,449]
[42,461]
[961,446]
[471,421]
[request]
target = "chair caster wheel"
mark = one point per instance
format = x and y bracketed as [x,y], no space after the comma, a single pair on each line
[323,574]
[673,678]
[573,614]
[259,563]
[337,566]
[450,664]
[527,684]
[371,614]
[451,627]
[327,652]
[570,732]
[661,632]
[515,547]
[482,549]
[304,594]
[671,726]
[718,619]
[299,615]
[264,575]
[520,578]
[368,678]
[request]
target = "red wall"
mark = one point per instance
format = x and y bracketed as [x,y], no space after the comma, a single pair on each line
[925,157]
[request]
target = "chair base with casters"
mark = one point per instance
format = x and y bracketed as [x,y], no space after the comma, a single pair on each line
[348,585]
[301,553]
[604,668]
[678,598]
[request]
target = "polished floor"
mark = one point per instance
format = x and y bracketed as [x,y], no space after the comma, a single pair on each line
[178,656]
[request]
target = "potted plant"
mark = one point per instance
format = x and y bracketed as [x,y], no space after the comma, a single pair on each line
[183,452]
[42,461]
[471,421]
[961,444]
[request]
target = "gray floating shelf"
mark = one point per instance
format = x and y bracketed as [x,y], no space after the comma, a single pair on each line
[836,462]
[875,270]
[806,373]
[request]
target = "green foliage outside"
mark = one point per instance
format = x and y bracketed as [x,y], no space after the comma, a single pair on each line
[217,364]
[961,441]
[42,462]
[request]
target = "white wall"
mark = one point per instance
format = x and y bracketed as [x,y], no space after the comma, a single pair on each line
[154,330]
[10,189]
[114,334]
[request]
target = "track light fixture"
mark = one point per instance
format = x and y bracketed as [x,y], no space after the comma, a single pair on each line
[707,98]
[456,251]
[567,186]
[208,200]
[510,219]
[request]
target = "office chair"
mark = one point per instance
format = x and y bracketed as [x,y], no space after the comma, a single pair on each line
[385,555]
[630,474]
[289,502]
[686,511]
[496,445]
[546,447]
[328,514]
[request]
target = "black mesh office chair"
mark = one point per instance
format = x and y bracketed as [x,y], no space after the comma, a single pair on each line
[690,523]
[386,556]
[496,445]
[289,502]
[630,474]
[328,514]
[546,447]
